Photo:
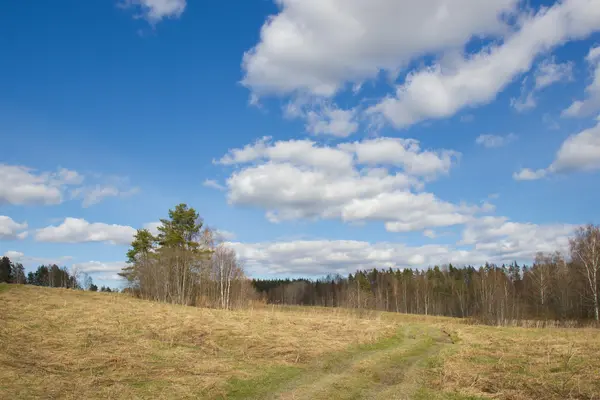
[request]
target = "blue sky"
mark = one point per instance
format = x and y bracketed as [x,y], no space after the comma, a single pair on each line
[318,136]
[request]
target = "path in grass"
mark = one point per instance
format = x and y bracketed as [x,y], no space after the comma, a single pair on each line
[388,369]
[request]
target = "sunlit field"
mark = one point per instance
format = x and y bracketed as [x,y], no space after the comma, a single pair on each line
[59,343]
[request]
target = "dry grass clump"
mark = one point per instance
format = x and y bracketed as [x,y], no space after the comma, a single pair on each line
[58,343]
[519,363]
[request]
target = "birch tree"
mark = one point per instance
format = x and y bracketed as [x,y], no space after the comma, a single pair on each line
[585,252]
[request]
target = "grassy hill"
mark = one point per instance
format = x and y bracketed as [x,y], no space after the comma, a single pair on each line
[57,343]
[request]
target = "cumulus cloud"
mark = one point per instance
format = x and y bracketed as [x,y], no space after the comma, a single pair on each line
[579,152]
[439,91]
[491,141]
[320,257]
[14,256]
[353,181]
[527,174]
[20,185]
[298,152]
[11,230]
[492,239]
[404,211]
[156,10]
[404,153]
[332,121]
[315,46]
[591,103]
[76,230]
[502,239]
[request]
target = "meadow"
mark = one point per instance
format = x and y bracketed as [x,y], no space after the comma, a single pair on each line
[70,344]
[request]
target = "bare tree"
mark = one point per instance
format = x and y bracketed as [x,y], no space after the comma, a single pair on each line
[585,252]
[226,270]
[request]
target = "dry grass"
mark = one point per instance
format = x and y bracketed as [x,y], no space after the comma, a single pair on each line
[57,343]
[519,363]
[68,344]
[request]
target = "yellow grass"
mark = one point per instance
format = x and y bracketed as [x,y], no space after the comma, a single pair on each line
[73,344]
[57,343]
[520,363]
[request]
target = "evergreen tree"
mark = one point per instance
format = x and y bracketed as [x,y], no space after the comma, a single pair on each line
[6,269]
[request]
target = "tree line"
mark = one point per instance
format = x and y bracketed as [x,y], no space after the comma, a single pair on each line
[48,276]
[552,288]
[187,263]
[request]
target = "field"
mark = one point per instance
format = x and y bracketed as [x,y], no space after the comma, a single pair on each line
[57,343]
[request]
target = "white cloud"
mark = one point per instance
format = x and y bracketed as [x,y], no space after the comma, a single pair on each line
[15,256]
[332,121]
[405,153]
[315,46]
[155,10]
[320,257]
[75,230]
[92,195]
[224,235]
[527,174]
[591,103]
[371,180]
[297,152]
[91,267]
[11,230]
[430,233]
[291,192]
[579,152]
[549,72]
[153,227]
[29,261]
[500,238]
[491,141]
[490,239]
[525,102]
[404,211]
[20,185]
[211,183]
[109,277]
[440,90]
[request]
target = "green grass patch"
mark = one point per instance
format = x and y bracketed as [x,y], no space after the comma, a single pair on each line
[428,394]
[257,388]
[4,287]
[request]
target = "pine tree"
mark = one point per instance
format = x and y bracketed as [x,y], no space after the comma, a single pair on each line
[6,267]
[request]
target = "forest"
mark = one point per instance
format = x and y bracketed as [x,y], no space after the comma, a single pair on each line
[552,288]
[187,263]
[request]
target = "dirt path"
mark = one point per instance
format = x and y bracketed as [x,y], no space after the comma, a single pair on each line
[386,370]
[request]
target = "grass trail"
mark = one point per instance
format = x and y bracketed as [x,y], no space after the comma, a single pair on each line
[388,369]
